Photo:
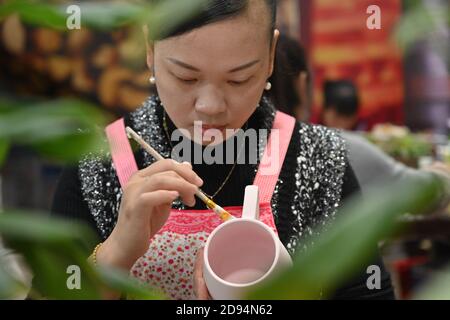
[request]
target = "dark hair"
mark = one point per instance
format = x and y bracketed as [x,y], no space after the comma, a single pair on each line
[214,11]
[290,61]
[341,95]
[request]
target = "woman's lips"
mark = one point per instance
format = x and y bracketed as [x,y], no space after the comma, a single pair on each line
[205,128]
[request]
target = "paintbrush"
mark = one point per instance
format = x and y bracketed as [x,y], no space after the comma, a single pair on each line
[221,212]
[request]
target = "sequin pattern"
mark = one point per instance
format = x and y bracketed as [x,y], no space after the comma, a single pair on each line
[319,177]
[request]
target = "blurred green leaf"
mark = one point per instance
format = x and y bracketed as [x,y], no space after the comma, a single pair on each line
[420,21]
[350,241]
[94,15]
[106,16]
[10,288]
[50,265]
[37,227]
[122,282]
[4,147]
[438,288]
[50,246]
[63,129]
[409,148]
[35,13]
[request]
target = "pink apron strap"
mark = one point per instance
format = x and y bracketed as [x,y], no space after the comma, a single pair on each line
[121,153]
[274,154]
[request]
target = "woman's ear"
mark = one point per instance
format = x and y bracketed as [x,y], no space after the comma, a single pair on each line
[276,34]
[150,48]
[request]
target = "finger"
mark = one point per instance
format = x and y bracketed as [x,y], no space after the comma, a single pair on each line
[200,289]
[183,169]
[157,198]
[188,164]
[171,181]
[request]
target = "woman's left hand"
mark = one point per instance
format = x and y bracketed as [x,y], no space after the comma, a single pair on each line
[200,290]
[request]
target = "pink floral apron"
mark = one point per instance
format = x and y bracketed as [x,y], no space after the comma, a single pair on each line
[168,264]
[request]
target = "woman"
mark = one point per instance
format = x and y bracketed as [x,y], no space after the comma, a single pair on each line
[213,69]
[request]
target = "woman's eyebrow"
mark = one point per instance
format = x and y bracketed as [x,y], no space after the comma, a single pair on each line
[182,64]
[192,68]
[244,66]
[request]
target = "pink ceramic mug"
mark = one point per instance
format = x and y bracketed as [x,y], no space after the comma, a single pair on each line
[240,254]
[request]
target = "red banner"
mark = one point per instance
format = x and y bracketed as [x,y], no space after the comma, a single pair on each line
[342,46]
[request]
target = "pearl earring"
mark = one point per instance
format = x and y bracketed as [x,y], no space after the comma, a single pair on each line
[152,80]
[268,86]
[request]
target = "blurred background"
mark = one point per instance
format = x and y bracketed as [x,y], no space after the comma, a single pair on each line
[399,71]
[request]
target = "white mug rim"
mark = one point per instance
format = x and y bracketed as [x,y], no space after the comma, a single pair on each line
[247,284]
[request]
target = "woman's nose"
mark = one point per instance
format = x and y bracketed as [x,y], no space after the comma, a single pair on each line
[210,102]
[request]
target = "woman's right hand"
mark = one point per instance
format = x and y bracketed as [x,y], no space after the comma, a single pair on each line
[145,207]
[200,289]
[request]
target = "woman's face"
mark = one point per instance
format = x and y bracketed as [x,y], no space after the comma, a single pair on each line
[215,74]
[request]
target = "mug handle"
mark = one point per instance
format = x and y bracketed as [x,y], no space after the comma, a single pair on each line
[250,208]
